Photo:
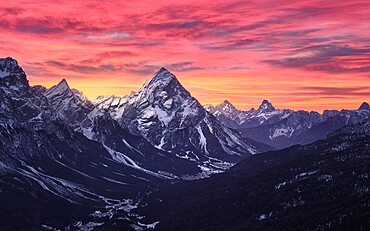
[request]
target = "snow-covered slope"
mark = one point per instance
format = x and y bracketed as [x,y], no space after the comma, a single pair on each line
[132,150]
[72,107]
[166,115]
[18,103]
[112,104]
[47,161]
[37,134]
[232,117]
[284,127]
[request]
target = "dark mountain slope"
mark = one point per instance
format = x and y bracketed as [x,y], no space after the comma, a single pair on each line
[321,186]
[49,172]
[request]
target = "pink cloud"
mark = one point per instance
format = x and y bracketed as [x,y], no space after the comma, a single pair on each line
[282,46]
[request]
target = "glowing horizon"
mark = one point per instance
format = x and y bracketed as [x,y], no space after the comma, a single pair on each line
[298,55]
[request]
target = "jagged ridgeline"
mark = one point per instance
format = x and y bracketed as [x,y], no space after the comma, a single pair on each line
[124,163]
[66,157]
[282,128]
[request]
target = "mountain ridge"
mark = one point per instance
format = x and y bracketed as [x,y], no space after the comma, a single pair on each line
[166,114]
[97,161]
[323,185]
[281,128]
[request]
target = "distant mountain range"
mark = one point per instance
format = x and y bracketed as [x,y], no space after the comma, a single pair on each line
[67,163]
[281,128]
[58,147]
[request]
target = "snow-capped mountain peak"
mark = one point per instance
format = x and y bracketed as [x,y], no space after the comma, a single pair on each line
[11,74]
[63,90]
[286,127]
[227,103]
[226,109]
[69,104]
[161,85]
[167,116]
[266,106]
[60,88]
[8,66]
[226,106]
[160,78]
[164,98]
[364,106]
[232,117]
[209,108]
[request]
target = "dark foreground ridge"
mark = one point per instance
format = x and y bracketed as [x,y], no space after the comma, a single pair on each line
[321,186]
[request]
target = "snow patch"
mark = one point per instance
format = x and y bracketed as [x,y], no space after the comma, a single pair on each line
[122,158]
[277,132]
[202,139]
[149,226]
[4,73]
[163,116]
[278,186]
[168,103]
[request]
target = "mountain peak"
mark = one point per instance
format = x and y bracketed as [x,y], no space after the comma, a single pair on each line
[62,86]
[63,83]
[8,61]
[12,73]
[364,106]
[226,102]
[226,105]
[162,81]
[266,105]
[162,70]
[58,89]
[265,101]
[9,66]
[161,77]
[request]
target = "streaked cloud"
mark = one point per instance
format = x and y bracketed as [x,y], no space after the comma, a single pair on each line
[299,54]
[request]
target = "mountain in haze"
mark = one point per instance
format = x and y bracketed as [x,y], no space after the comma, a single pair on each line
[284,127]
[320,186]
[229,115]
[166,115]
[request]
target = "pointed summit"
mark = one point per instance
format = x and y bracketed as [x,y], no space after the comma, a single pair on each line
[265,101]
[266,106]
[226,102]
[63,84]
[162,70]
[69,104]
[364,106]
[163,84]
[61,88]
[226,106]
[166,115]
[161,77]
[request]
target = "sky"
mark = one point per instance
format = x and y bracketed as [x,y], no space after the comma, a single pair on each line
[310,55]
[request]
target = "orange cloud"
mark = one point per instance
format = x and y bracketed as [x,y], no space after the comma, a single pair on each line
[297,54]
